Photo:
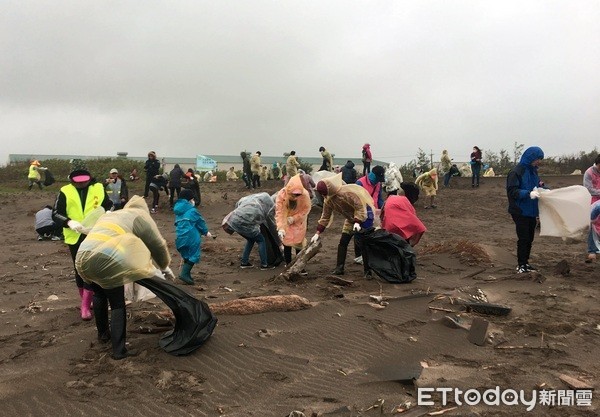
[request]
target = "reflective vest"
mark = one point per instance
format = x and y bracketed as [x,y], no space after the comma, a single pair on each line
[113,190]
[33,173]
[95,196]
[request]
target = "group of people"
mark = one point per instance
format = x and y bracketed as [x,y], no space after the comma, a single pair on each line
[125,243]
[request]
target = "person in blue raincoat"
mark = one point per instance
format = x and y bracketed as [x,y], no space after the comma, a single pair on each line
[522,185]
[190,226]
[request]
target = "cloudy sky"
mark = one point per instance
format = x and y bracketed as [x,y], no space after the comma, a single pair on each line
[216,77]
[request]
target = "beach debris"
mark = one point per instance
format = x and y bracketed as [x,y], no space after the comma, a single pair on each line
[296,413]
[33,307]
[446,310]
[455,322]
[339,280]
[376,306]
[376,298]
[261,304]
[563,268]
[478,332]
[52,297]
[487,308]
[440,412]
[399,371]
[574,383]
[378,404]
[401,408]
[412,339]
[296,269]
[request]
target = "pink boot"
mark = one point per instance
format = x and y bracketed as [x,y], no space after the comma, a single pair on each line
[80,292]
[86,304]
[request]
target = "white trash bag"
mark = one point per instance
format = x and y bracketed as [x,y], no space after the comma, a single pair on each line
[564,212]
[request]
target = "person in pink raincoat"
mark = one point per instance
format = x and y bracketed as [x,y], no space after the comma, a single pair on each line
[292,205]
[399,216]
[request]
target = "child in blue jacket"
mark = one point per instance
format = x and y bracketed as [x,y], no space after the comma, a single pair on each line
[189,229]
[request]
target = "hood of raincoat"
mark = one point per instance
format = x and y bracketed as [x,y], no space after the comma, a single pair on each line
[531,154]
[349,165]
[250,212]
[182,206]
[333,184]
[294,186]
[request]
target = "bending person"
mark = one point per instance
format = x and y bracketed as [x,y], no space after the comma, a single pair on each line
[119,249]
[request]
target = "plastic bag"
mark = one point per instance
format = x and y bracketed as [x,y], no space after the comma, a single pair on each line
[194,322]
[564,212]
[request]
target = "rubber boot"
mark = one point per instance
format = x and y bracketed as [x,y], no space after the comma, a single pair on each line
[101,317]
[118,327]
[341,259]
[185,273]
[86,304]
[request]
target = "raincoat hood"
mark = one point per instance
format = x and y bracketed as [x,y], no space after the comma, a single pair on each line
[349,165]
[531,154]
[182,206]
[433,173]
[366,145]
[294,186]
[333,184]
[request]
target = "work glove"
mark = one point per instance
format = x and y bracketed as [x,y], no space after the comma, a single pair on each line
[209,234]
[281,234]
[168,273]
[534,194]
[75,226]
[290,220]
[314,238]
[356,227]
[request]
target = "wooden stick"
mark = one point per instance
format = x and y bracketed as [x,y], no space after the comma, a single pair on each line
[305,255]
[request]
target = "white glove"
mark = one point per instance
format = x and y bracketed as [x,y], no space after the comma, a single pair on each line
[534,194]
[290,220]
[168,273]
[356,227]
[314,238]
[209,234]
[75,226]
[281,234]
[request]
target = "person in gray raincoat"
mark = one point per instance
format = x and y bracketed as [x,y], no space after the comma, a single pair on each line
[254,219]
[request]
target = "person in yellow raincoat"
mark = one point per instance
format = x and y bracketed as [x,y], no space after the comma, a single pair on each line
[428,182]
[292,206]
[122,247]
[351,201]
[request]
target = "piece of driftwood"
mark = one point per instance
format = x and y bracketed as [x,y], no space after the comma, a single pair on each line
[574,383]
[295,269]
[262,304]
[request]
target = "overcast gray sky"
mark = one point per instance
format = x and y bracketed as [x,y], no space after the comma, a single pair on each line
[215,77]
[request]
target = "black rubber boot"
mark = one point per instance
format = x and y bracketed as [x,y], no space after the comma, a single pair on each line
[100,306]
[118,326]
[341,254]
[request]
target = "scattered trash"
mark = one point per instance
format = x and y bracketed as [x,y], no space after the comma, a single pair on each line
[487,308]
[52,297]
[455,322]
[412,339]
[296,414]
[478,333]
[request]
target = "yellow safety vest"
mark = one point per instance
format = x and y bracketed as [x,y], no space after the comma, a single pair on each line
[33,173]
[95,196]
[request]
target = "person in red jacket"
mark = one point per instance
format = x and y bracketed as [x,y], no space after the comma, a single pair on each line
[367,158]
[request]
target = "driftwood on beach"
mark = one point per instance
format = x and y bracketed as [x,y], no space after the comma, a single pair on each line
[294,270]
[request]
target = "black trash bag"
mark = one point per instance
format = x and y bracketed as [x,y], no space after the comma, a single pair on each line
[274,255]
[388,255]
[194,322]
[48,178]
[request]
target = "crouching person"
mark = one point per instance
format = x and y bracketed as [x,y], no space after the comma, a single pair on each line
[119,249]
